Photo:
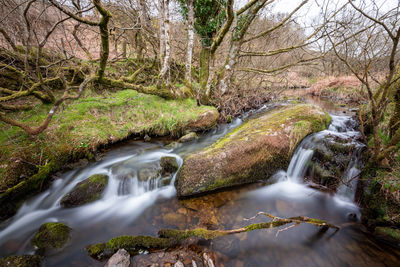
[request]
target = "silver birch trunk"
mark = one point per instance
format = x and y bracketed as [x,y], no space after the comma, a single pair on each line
[165,71]
[162,30]
[189,52]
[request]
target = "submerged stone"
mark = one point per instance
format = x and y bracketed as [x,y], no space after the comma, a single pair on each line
[21,261]
[86,191]
[148,173]
[252,152]
[51,236]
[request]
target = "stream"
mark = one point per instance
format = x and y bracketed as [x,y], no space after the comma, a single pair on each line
[134,206]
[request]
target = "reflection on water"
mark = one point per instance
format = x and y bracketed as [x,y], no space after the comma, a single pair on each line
[133,206]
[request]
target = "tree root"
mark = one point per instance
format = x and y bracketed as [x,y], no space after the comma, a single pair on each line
[168,238]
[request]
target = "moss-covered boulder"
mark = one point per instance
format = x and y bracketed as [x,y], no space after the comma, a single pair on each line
[86,191]
[188,137]
[21,261]
[51,236]
[168,165]
[204,122]
[252,152]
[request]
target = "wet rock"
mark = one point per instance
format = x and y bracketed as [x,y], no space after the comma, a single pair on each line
[147,138]
[188,137]
[86,191]
[187,256]
[168,165]
[252,152]
[204,122]
[331,159]
[148,174]
[179,264]
[119,259]
[51,236]
[165,181]
[21,261]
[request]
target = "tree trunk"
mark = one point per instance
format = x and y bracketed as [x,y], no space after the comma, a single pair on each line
[162,31]
[204,69]
[165,71]
[226,74]
[124,49]
[189,52]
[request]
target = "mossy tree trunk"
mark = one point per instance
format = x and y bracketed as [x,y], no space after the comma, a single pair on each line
[205,58]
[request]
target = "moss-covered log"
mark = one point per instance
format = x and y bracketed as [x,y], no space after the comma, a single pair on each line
[168,238]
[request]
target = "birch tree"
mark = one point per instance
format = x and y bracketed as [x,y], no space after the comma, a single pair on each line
[165,48]
[190,41]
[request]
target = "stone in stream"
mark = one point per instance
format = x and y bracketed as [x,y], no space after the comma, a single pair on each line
[119,259]
[86,191]
[188,137]
[21,261]
[168,165]
[330,160]
[51,236]
[148,173]
[252,152]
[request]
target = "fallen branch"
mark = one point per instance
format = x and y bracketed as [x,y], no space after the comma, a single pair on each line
[168,238]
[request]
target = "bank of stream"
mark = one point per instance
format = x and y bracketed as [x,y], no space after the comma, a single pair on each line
[133,206]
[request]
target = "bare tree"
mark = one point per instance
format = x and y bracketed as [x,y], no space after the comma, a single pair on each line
[366,37]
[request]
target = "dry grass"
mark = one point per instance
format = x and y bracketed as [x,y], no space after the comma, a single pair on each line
[347,88]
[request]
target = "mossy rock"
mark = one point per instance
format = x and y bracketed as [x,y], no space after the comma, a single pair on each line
[133,244]
[204,122]
[168,165]
[86,191]
[21,261]
[252,152]
[188,137]
[331,159]
[51,236]
[148,173]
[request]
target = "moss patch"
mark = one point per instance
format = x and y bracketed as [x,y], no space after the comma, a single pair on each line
[132,244]
[21,261]
[51,236]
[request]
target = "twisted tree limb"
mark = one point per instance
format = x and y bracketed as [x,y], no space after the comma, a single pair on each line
[168,238]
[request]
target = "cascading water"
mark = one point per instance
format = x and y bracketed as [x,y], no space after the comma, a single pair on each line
[342,127]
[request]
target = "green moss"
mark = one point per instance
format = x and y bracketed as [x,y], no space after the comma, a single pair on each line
[132,244]
[389,233]
[51,236]
[21,261]
[184,234]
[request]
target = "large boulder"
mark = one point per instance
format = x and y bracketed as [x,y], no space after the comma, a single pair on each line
[252,152]
[86,191]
